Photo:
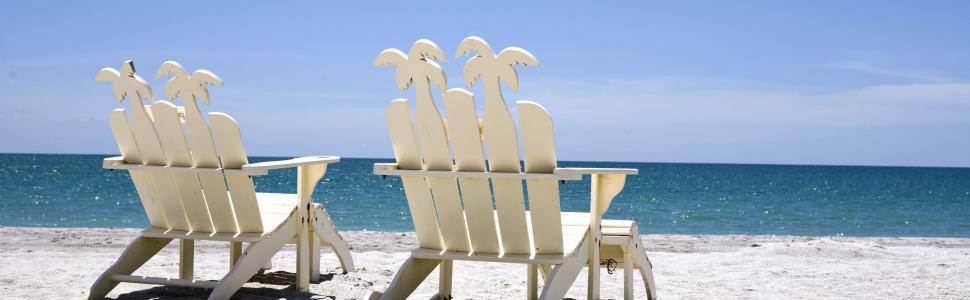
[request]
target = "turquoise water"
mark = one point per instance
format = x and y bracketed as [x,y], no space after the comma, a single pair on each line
[73,191]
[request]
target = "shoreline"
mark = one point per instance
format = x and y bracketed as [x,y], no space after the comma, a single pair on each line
[63,262]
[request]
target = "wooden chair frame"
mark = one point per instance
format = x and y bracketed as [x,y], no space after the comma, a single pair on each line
[308,227]
[452,169]
[194,180]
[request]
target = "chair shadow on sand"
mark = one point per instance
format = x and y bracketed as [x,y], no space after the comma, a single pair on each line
[279,278]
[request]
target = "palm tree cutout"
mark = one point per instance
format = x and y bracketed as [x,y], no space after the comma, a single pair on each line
[491,68]
[126,84]
[192,88]
[418,67]
[497,123]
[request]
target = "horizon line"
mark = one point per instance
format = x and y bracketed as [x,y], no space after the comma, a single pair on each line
[593,161]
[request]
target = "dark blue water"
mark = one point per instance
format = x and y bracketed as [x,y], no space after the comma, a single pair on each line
[73,191]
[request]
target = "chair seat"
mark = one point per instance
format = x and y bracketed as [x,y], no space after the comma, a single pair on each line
[574,225]
[274,209]
[609,227]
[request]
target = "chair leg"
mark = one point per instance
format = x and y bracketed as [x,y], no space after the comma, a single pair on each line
[545,270]
[252,260]
[314,258]
[593,282]
[303,257]
[635,246]
[407,278]
[268,265]
[646,271]
[563,275]
[635,250]
[627,274]
[327,233]
[186,258]
[235,251]
[135,255]
[533,279]
[444,280]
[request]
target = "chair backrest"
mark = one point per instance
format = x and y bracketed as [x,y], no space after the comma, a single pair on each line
[200,201]
[458,214]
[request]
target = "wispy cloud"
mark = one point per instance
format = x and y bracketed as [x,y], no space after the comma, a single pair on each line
[256,92]
[668,100]
[871,68]
[667,120]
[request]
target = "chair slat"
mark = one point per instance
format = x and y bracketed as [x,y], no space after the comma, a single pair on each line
[510,210]
[121,130]
[163,186]
[407,154]
[539,153]
[454,234]
[502,148]
[204,155]
[217,199]
[437,157]
[465,134]
[228,142]
[172,139]
[466,138]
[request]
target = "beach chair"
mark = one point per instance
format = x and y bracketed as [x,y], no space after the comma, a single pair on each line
[207,193]
[450,186]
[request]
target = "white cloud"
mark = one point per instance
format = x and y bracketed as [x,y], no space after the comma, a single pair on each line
[670,101]
[870,68]
[680,121]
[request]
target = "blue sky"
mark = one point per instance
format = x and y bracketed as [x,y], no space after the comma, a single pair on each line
[816,82]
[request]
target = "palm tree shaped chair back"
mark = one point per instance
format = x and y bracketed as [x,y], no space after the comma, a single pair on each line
[184,201]
[218,196]
[453,167]
[194,181]
[449,219]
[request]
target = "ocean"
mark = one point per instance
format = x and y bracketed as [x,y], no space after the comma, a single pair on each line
[53,190]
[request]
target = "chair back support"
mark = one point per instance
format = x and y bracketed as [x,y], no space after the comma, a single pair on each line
[187,201]
[457,214]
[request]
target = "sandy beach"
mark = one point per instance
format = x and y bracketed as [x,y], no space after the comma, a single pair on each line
[61,263]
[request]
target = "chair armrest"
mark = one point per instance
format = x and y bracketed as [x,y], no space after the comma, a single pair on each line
[595,171]
[118,163]
[263,168]
[310,169]
[606,183]
[391,169]
[380,168]
[113,162]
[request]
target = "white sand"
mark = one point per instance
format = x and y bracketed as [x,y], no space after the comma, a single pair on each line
[62,263]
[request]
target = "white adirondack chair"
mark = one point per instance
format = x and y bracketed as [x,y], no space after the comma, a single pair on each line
[450,185]
[207,193]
